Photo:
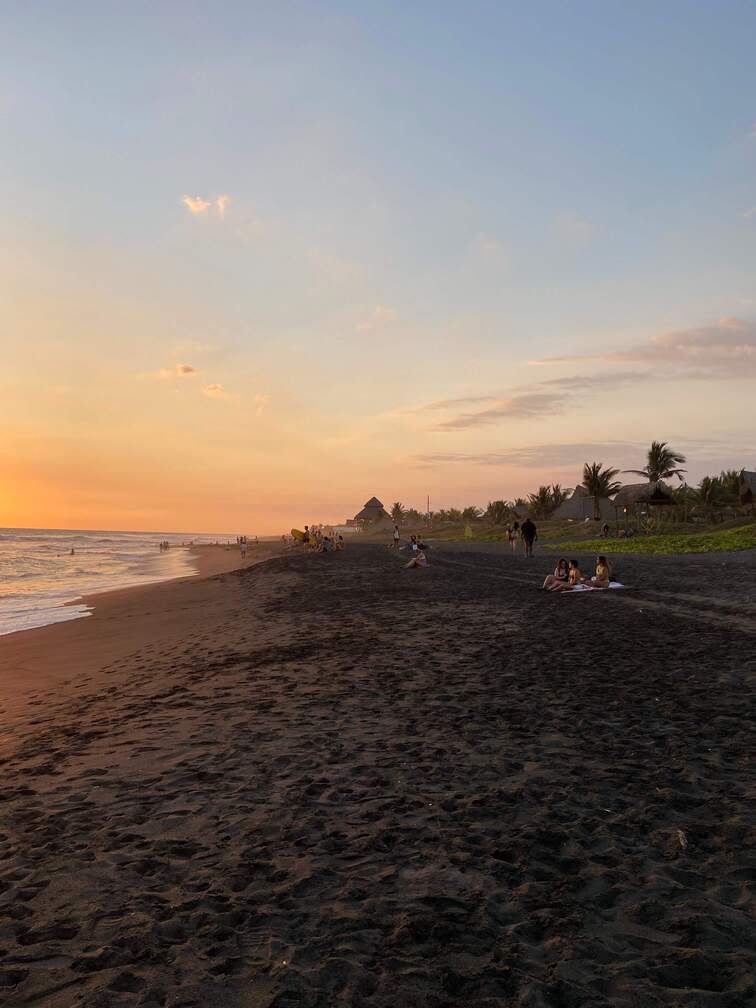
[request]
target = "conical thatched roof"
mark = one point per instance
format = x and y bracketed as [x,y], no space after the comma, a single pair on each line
[642,493]
[372,511]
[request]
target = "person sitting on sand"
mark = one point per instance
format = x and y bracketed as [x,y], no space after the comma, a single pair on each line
[574,578]
[603,574]
[560,575]
[418,560]
[340,543]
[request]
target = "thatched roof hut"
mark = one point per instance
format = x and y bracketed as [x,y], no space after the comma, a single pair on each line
[656,494]
[372,511]
[747,488]
[579,506]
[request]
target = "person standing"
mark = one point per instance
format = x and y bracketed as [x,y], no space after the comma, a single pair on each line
[529,535]
[396,537]
[511,538]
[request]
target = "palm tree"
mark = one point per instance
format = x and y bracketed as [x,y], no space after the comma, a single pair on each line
[599,482]
[540,502]
[397,512]
[497,511]
[731,480]
[710,493]
[558,496]
[471,513]
[662,463]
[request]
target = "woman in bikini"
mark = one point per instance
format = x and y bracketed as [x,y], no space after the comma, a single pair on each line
[560,575]
[603,574]
[574,578]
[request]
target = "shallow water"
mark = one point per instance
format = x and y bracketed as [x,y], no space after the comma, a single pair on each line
[42,569]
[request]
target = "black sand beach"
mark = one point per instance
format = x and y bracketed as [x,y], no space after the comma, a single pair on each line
[347,784]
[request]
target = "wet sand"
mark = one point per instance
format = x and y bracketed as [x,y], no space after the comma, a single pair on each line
[327,781]
[35,661]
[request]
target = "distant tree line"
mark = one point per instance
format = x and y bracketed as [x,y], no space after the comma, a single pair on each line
[662,463]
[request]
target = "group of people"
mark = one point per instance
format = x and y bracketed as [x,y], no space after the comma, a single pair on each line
[321,543]
[418,557]
[567,576]
[527,532]
[163,545]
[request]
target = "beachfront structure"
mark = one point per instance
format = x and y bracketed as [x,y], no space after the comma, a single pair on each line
[638,498]
[579,506]
[747,488]
[373,511]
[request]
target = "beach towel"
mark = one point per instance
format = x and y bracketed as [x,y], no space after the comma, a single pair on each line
[585,588]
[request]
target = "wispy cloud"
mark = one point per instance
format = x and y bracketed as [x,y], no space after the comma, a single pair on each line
[199,205]
[549,397]
[177,371]
[195,204]
[728,347]
[261,400]
[442,405]
[573,226]
[537,456]
[215,391]
[750,213]
[574,454]
[515,407]
[378,318]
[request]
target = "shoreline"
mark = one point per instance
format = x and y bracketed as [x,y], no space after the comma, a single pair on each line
[37,660]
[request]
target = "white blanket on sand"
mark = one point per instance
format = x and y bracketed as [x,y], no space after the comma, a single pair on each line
[585,587]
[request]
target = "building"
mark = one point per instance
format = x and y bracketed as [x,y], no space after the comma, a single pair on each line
[579,506]
[638,498]
[372,512]
[747,488]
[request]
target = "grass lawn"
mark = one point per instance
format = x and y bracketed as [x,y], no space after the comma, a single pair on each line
[723,540]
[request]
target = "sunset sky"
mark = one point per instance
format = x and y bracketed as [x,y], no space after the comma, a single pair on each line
[261,261]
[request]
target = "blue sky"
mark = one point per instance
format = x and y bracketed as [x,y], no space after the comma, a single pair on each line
[422,199]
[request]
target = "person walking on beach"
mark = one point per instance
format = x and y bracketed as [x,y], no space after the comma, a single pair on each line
[511,538]
[529,535]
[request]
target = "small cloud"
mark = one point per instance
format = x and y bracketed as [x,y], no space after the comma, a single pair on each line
[573,226]
[195,204]
[378,318]
[750,213]
[261,401]
[491,249]
[215,391]
[186,370]
[199,205]
[444,404]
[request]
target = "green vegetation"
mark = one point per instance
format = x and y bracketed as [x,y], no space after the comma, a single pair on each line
[661,463]
[741,537]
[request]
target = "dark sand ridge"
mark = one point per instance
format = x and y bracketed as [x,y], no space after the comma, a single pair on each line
[350,785]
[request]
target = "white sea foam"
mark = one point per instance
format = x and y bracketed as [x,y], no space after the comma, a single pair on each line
[39,574]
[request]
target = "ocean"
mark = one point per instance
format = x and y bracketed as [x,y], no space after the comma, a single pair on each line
[42,569]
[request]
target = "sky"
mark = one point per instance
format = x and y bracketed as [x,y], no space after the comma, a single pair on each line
[261,261]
